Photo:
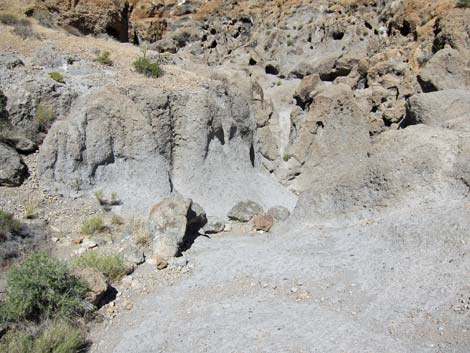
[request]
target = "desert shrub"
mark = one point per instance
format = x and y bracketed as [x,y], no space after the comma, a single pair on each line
[290,42]
[23,29]
[44,116]
[104,58]
[17,341]
[285,157]
[30,208]
[56,337]
[111,266]
[463,4]
[44,18]
[8,225]
[8,19]
[117,221]
[43,288]
[140,233]
[59,337]
[57,76]
[100,197]
[103,201]
[93,225]
[113,199]
[147,67]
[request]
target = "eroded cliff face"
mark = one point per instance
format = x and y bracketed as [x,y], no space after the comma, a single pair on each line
[313,86]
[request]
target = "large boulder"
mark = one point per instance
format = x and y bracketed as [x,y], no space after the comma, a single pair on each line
[13,171]
[173,222]
[448,108]
[446,70]
[96,282]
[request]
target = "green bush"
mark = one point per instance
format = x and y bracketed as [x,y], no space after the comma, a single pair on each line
[44,116]
[104,59]
[111,266]
[462,4]
[93,225]
[8,19]
[147,67]
[8,225]
[57,337]
[43,288]
[56,76]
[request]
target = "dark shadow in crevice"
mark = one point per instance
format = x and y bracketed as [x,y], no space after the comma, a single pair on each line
[109,296]
[333,75]
[193,228]
[426,86]
[304,104]
[338,35]
[233,131]
[271,70]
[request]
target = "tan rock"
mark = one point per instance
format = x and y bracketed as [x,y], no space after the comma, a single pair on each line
[263,223]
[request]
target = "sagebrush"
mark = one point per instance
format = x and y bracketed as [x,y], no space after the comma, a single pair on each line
[93,225]
[55,337]
[43,288]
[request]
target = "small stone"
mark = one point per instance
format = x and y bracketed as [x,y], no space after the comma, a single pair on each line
[77,241]
[279,213]
[214,225]
[89,244]
[161,263]
[294,290]
[128,305]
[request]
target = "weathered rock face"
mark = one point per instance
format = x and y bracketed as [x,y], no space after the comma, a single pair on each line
[13,171]
[446,70]
[145,142]
[448,108]
[417,163]
[90,16]
[331,141]
[134,21]
[29,105]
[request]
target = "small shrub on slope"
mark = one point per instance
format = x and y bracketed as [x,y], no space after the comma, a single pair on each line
[43,288]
